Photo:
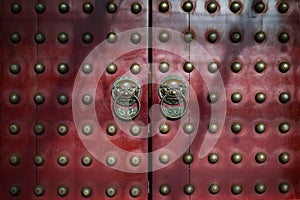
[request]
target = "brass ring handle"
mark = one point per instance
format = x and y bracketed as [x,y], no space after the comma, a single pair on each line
[175,115]
[125,113]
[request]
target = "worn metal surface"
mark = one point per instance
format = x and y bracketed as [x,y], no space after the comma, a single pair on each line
[238,139]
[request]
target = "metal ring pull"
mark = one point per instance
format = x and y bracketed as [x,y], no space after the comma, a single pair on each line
[125,94]
[127,113]
[172,91]
[176,112]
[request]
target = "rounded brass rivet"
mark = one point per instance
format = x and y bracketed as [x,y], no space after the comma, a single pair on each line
[87,99]
[164,189]
[284,157]
[111,68]
[188,67]
[284,127]
[284,67]
[40,7]
[284,97]
[212,7]
[260,127]
[260,97]
[62,129]
[135,161]
[260,37]
[135,38]
[135,68]
[111,161]
[188,36]
[213,158]
[236,97]
[14,68]
[284,187]
[236,158]
[111,129]
[86,160]
[39,190]
[14,190]
[283,37]
[15,8]
[39,68]
[235,6]
[213,67]
[63,99]
[187,6]
[260,66]
[212,98]
[212,36]
[87,68]
[62,191]
[188,189]
[39,98]
[164,67]
[236,67]
[14,159]
[39,160]
[87,130]
[213,127]
[111,191]
[39,38]
[260,188]
[236,189]
[283,7]
[164,158]
[87,37]
[260,157]
[14,98]
[63,7]
[164,37]
[188,158]
[188,128]
[111,37]
[63,37]
[259,7]
[62,68]
[87,7]
[164,128]
[236,37]
[14,128]
[163,6]
[135,191]
[86,191]
[135,130]
[236,127]
[136,8]
[15,37]
[111,7]
[62,160]
[214,188]
[39,129]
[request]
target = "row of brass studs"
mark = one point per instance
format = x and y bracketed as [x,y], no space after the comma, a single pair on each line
[63,190]
[38,98]
[63,7]
[236,189]
[212,37]
[211,7]
[39,160]
[164,189]
[164,158]
[235,7]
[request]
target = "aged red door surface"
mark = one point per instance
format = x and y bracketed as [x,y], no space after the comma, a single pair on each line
[154,99]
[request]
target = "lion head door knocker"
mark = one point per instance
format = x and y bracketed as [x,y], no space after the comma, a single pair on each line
[126,93]
[172,91]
